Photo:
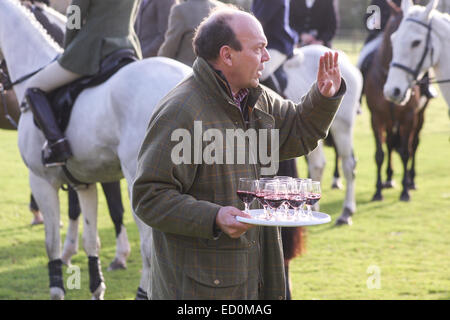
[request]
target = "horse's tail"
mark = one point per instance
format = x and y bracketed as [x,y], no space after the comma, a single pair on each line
[294,242]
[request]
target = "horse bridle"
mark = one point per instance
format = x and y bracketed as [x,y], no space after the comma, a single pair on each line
[415,73]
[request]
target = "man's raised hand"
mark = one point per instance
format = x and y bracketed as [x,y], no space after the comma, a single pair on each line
[329,76]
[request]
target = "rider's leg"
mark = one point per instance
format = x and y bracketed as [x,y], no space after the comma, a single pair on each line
[267,78]
[57,149]
[276,60]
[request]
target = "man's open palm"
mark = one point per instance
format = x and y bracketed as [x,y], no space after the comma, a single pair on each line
[329,76]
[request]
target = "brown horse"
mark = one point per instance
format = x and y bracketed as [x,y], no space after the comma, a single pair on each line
[9,108]
[398,126]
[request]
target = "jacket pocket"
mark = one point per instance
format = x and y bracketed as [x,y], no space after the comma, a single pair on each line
[215,274]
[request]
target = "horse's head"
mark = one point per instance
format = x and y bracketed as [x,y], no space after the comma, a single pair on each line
[414,50]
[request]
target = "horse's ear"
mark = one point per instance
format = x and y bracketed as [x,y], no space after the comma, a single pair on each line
[430,7]
[406,4]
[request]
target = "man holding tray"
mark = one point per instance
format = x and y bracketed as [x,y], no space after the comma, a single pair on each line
[199,249]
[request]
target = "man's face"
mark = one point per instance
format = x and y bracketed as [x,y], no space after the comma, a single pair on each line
[249,62]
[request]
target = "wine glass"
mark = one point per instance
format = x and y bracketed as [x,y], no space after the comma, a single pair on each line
[247,191]
[285,180]
[313,196]
[261,190]
[283,191]
[272,197]
[297,195]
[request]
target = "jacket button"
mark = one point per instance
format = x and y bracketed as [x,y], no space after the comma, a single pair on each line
[217,282]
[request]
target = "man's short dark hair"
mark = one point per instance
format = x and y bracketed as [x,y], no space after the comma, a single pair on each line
[212,34]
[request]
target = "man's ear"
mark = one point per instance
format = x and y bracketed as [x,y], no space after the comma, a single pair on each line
[225,54]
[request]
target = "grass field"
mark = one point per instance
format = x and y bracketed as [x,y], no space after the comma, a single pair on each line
[394,250]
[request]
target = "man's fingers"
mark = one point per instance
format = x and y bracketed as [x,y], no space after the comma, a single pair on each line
[326,61]
[330,60]
[321,65]
[336,57]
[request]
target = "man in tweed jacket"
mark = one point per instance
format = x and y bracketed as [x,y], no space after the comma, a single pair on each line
[199,249]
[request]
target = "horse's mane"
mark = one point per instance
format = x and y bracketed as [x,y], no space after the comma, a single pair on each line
[438,16]
[54,12]
[416,11]
[28,15]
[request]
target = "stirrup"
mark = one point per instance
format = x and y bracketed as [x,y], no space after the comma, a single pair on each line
[56,154]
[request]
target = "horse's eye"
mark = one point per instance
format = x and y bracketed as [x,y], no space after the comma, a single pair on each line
[415,43]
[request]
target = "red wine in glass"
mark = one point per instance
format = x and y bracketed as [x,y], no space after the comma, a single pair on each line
[296,201]
[260,198]
[246,196]
[274,201]
[312,198]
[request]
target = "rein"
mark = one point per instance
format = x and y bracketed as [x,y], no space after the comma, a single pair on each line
[6,85]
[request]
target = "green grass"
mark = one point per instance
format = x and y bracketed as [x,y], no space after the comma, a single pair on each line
[407,242]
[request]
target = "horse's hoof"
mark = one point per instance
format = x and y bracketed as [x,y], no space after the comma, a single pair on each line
[344,221]
[116,264]
[388,184]
[405,197]
[56,293]
[377,197]
[99,293]
[36,221]
[412,186]
[141,294]
[68,252]
[67,263]
[337,185]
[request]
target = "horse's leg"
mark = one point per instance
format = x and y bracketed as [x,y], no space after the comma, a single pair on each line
[71,243]
[406,136]
[404,154]
[344,144]
[415,145]
[46,196]
[336,184]
[37,215]
[316,165]
[115,206]
[145,232]
[91,243]
[389,171]
[379,158]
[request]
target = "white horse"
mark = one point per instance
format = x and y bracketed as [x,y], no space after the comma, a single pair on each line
[421,42]
[106,128]
[301,71]
[71,242]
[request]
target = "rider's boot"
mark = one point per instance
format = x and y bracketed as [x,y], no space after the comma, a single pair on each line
[56,149]
[426,88]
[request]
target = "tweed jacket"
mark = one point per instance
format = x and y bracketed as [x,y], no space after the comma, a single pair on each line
[151,25]
[184,18]
[106,26]
[180,201]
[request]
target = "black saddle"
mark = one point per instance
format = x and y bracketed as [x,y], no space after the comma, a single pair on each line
[63,98]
